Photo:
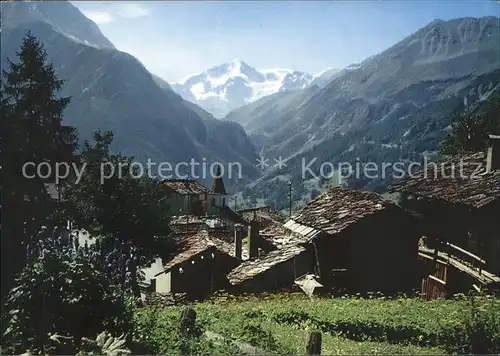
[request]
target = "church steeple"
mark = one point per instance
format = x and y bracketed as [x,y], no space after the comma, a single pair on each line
[218,183]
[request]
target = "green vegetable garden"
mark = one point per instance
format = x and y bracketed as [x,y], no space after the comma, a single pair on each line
[351,325]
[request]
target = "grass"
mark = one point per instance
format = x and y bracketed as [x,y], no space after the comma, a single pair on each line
[351,325]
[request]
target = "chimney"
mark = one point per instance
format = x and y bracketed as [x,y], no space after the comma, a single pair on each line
[493,156]
[238,239]
[253,239]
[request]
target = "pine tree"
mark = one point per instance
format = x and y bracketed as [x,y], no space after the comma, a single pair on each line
[470,130]
[32,131]
[126,207]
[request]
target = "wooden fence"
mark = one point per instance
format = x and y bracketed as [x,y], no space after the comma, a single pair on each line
[435,284]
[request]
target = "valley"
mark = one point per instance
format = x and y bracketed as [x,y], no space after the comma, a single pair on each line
[227,178]
[394,106]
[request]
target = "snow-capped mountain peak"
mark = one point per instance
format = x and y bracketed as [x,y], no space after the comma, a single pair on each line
[231,85]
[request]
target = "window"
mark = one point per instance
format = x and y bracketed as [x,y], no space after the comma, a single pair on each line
[223,201]
[213,201]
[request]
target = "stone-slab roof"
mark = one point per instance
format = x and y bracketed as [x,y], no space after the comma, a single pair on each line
[263,214]
[227,213]
[459,180]
[278,235]
[188,228]
[189,224]
[186,219]
[185,186]
[338,207]
[192,244]
[250,269]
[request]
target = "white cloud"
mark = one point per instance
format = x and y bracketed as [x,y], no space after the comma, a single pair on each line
[132,11]
[110,12]
[99,17]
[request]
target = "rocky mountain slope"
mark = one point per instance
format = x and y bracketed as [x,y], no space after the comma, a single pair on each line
[265,116]
[326,76]
[60,14]
[394,105]
[232,85]
[111,90]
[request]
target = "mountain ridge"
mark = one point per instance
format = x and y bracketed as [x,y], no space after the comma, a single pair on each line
[112,90]
[229,86]
[394,104]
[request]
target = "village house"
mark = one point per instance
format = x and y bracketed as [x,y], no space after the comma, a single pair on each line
[189,200]
[349,240]
[205,230]
[459,200]
[199,268]
[191,271]
[277,270]
[185,196]
[270,226]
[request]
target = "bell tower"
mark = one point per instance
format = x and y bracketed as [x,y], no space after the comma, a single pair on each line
[217,197]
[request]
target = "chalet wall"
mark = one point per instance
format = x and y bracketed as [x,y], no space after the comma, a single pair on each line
[186,204]
[476,230]
[178,204]
[380,254]
[163,283]
[206,275]
[489,224]
[442,220]
[331,253]
[493,257]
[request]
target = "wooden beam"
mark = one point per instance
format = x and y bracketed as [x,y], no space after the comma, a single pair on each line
[440,260]
[465,252]
[437,280]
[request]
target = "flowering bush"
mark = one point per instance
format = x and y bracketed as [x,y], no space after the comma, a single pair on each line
[67,289]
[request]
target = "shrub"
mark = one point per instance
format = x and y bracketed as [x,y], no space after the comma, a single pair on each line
[104,344]
[61,292]
[161,335]
[479,332]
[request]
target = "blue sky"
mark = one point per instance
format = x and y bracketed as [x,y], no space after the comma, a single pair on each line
[175,39]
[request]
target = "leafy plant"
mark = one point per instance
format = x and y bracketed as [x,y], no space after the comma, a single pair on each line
[119,203]
[479,331]
[104,344]
[156,333]
[377,324]
[61,291]
[255,334]
[470,130]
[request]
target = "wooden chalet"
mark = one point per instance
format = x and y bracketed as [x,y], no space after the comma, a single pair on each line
[350,240]
[361,242]
[199,268]
[459,200]
[274,271]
